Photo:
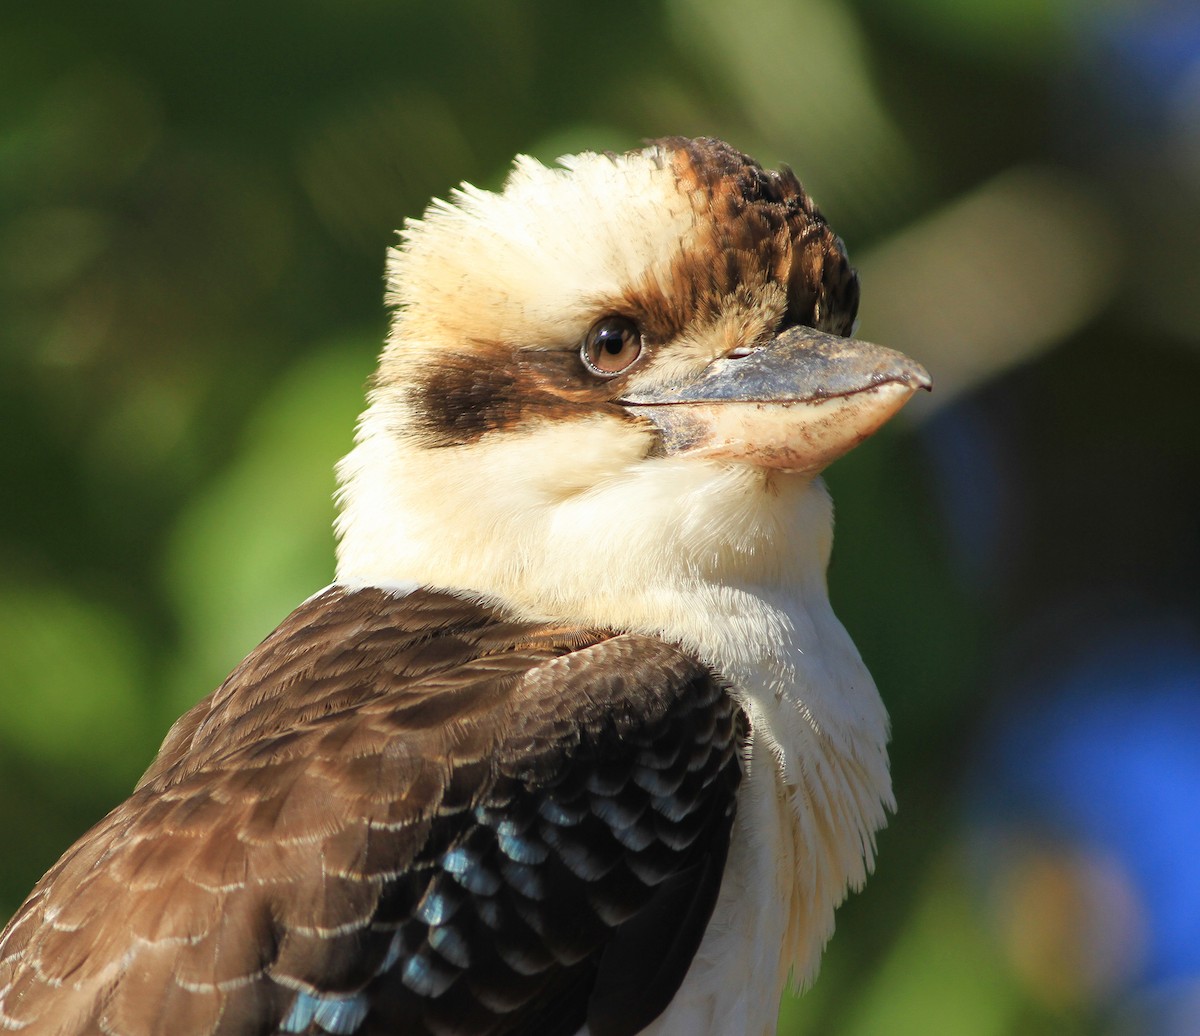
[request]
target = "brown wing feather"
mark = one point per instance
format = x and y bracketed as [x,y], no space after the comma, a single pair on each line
[283,865]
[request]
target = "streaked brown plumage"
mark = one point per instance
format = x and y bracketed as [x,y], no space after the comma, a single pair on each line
[292,830]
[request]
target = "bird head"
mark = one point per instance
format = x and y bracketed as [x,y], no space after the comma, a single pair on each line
[611,382]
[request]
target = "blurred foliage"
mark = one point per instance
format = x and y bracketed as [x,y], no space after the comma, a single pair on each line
[194,207]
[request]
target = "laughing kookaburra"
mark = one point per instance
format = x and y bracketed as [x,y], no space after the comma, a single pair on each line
[574,744]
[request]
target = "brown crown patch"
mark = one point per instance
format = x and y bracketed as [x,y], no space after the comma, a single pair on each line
[755,226]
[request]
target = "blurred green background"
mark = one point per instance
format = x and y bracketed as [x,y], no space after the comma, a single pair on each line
[195,201]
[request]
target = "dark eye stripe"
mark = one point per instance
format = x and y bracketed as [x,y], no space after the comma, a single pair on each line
[460,397]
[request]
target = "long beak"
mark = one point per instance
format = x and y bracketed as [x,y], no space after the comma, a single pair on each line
[795,404]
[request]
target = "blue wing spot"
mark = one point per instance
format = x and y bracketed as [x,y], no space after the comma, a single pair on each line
[340,1016]
[636,837]
[304,1007]
[615,813]
[520,849]
[556,813]
[657,782]
[395,949]
[458,861]
[451,945]
[469,871]
[508,829]
[425,977]
[437,907]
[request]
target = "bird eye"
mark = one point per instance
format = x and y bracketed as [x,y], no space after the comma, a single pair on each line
[611,346]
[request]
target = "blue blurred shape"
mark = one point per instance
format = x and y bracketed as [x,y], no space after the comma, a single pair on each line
[1108,760]
[1143,56]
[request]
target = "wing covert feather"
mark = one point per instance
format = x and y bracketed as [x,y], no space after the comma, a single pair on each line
[400,814]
